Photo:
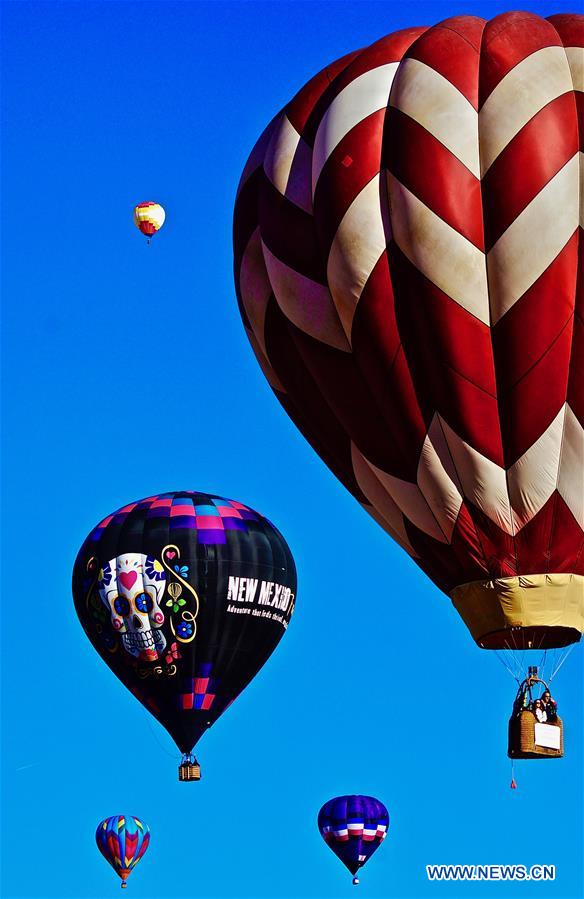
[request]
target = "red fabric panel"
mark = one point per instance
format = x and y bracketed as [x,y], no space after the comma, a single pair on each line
[349,168]
[570,28]
[507,40]
[527,163]
[380,358]
[531,405]
[388,49]
[305,403]
[450,356]
[566,549]
[289,233]
[434,175]
[302,107]
[452,49]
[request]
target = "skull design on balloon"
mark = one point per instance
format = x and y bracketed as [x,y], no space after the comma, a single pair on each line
[131,587]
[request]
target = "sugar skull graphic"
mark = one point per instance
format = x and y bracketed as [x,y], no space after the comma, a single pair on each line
[131,586]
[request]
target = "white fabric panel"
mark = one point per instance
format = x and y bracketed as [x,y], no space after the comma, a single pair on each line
[581,198]
[307,304]
[571,474]
[443,255]
[576,62]
[436,435]
[438,489]
[360,240]
[383,510]
[410,501]
[256,157]
[413,504]
[534,239]
[269,373]
[533,478]
[483,482]
[255,285]
[362,97]
[527,88]
[435,103]
[288,164]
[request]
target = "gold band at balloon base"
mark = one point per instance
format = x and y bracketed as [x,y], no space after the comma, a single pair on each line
[534,611]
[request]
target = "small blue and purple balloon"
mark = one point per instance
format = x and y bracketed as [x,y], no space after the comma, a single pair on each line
[353,827]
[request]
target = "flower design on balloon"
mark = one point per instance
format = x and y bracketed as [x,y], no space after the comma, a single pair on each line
[172,653]
[105,575]
[154,569]
[184,629]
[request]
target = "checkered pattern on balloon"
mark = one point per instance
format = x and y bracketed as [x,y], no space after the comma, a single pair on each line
[140,593]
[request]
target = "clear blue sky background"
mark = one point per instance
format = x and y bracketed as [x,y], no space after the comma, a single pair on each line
[108,349]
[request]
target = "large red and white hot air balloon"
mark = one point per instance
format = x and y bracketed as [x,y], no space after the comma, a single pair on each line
[407,236]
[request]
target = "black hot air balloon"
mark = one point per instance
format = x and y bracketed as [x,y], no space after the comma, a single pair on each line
[185,596]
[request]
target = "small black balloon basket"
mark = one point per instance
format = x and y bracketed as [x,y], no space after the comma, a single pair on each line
[189,769]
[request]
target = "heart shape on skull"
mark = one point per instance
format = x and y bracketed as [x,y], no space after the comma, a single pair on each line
[128,579]
[171,554]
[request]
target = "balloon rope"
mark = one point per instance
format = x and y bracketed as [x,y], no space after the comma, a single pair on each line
[164,748]
[518,655]
[516,662]
[543,664]
[505,665]
[563,659]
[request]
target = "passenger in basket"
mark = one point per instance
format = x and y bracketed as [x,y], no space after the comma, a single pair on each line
[539,711]
[550,706]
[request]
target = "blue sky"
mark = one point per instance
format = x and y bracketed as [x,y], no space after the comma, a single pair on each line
[127,373]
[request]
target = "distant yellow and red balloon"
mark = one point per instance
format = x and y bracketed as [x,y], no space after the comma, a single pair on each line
[149,218]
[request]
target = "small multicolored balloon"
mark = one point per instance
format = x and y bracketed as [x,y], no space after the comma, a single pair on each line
[353,827]
[122,840]
[149,218]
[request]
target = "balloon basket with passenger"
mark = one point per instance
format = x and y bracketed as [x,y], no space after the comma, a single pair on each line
[535,729]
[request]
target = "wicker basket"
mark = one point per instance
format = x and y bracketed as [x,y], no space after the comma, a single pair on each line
[522,743]
[189,771]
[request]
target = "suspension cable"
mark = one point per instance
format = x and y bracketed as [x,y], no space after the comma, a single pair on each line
[505,665]
[563,659]
[517,662]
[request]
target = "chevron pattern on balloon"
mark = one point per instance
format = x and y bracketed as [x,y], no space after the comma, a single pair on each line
[407,238]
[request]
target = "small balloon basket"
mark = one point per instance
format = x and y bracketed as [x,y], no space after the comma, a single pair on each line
[189,769]
[528,739]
